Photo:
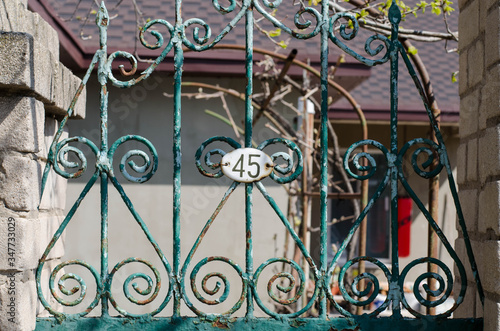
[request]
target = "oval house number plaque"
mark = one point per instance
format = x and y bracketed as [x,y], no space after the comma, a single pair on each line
[247,165]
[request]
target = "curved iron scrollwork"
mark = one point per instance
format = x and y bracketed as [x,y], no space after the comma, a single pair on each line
[280,174]
[104,169]
[386,43]
[273,285]
[215,291]
[300,15]
[286,167]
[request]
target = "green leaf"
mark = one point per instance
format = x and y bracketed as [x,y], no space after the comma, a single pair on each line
[412,50]
[283,44]
[275,33]
[363,13]
[448,9]
[93,12]
[454,77]
[422,4]
[436,10]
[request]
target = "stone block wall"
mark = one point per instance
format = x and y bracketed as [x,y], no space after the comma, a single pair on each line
[35,91]
[479,152]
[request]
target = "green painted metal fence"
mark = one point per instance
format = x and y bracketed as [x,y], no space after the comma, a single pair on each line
[247,166]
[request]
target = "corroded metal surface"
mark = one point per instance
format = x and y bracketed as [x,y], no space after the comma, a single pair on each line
[364,287]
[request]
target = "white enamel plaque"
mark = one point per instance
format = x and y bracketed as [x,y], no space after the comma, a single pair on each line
[246,165]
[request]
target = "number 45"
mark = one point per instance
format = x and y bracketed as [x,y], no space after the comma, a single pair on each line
[239,166]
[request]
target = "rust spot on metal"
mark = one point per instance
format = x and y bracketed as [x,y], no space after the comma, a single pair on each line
[78,173]
[126,73]
[219,324]
[297,323]
[249,236]
[309,261]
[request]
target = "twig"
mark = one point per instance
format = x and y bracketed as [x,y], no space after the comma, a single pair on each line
[226,108]
[334,221]
[225,120]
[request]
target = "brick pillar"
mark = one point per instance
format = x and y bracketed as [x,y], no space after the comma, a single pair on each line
[35,90]
[479,152]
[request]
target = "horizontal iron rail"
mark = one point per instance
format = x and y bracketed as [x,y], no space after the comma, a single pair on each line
[261,324]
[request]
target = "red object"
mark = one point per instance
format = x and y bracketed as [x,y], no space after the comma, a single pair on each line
[404,225]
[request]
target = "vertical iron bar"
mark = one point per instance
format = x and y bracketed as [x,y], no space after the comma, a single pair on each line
[432,240]
[362,232]
[248,143]
[176,149]
[306,187]
[103,161]
[104,243]
[249,77]
[394,290]
[324,157]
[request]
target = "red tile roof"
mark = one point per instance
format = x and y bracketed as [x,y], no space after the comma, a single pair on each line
[372,95]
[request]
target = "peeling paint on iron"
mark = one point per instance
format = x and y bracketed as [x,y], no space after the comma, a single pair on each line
[249,279]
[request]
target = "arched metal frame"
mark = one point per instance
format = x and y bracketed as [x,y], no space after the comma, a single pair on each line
[389,50]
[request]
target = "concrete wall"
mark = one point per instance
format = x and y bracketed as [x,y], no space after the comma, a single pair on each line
[478,177]
[34,90]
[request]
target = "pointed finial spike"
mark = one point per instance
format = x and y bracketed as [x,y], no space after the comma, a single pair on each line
[102,17]
[394,13]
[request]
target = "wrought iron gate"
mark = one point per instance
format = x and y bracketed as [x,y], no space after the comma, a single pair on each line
[249,165]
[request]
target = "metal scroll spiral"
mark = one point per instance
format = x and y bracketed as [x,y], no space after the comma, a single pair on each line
[441,294]
[272,283]
[288,173]
[208,156]
[371,167]
[148,168]
[281,173]
[222,282]
[200,41]
[160,42]
[79,288]
[364,171]
[62,151]
[386,43]
[300,20]
[431,150]
[370,291]
[152,290]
